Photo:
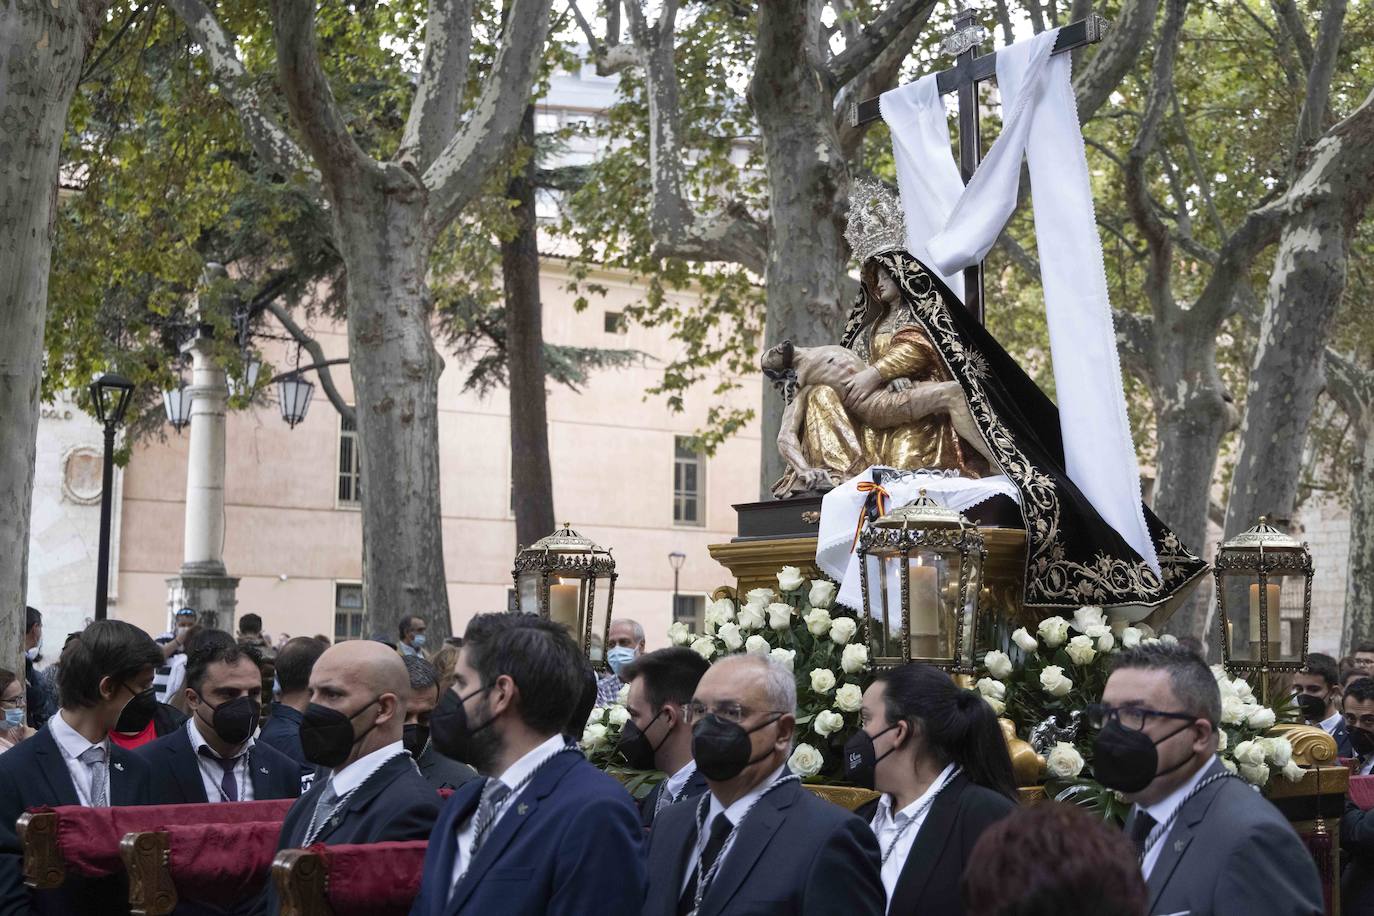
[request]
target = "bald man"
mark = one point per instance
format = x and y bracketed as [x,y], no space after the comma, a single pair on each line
[367,789]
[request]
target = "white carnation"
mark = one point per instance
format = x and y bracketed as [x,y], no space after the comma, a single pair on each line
[998,664]
[757,645]
[849,698]
[1064,761]
[1024,640]
[842,630]
[818,621]
[822,593]
[854,659]
[1053,631]
[822,680]
[805,761]
[827,723]
[790,579]
[786,656]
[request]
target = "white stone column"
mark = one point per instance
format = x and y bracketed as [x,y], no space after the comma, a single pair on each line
[204,546]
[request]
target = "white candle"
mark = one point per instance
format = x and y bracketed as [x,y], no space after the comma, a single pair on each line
[563,606]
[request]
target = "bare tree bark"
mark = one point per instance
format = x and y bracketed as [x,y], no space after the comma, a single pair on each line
[1352,387]
[531,473]
[43,44]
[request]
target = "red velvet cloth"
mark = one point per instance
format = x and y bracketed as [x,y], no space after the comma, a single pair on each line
[221,863]
[88,838]
[375,879]
[1362,792]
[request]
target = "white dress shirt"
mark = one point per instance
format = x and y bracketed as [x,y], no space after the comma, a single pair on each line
[212,774]
[73,744]
[1164,809]
[512,777]
[673,785]
[1366,765]
[886,826]
[734,814]
[357,772]
[1331,722]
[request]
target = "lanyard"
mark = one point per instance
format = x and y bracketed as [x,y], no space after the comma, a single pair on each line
[1162,830]
[702,809]
[918,813]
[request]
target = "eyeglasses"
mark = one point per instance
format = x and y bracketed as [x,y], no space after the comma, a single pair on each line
[16,703]
[729,711]
[1132,718]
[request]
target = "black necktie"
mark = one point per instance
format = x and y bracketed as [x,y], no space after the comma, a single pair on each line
[227,783]
[720,829]
[1140,829]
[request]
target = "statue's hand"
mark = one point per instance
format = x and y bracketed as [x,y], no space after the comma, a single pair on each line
[862,384]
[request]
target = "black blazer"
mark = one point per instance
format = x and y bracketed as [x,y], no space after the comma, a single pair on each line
[394,803]
[282,730]
[695,788]
[929,882]
[443,772]
[179,781]
[794,854]
[33,773]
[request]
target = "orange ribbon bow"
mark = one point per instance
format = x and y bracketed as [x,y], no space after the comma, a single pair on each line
[882,495]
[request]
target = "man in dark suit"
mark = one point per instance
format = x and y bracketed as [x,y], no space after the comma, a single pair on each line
[369,790]
[657,736]
[1211,845]
[791,852]
[293,664]
[438,770]
[71,761]
[1318,694]
[36,695]
[215,758]
[1357,826]
[546,832]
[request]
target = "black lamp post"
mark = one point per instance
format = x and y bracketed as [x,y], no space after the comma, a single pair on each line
[677,558]
[110,394]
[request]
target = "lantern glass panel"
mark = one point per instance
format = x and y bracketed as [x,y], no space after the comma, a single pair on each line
[1282,596]
[528,592]
[601,617]
[883,570]
[177,403]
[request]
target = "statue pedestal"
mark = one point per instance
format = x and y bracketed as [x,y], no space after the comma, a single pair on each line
[213,596]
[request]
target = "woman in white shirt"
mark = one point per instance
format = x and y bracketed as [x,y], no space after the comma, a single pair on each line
[936,753]
[12,729]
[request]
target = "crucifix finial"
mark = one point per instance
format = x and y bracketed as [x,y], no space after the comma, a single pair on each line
[967,34]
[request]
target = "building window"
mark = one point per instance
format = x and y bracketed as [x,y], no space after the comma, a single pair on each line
[614,323]
[689,469]
[348,611]
[691,610]
[350,468]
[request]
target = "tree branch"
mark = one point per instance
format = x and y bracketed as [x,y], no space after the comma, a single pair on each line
[1312,120]
[880,33]
[610,56]
[443,77]
[1115,56]
[877,78]
[1136,343]
[1350,385]
[312,346]
[270,140]
[1291,24]
[455,177]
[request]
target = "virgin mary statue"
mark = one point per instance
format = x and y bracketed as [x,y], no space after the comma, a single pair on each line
[924,386]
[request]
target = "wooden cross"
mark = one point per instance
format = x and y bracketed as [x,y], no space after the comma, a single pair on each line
[971,68]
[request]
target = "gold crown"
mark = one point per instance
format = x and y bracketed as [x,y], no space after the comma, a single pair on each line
[876,221]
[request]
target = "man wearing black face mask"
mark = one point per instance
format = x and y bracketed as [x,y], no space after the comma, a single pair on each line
[438,770]
[1357,826]
[1203,833]
[657,737]
[1317,692]
[546,833]
[216,758]
[757,842]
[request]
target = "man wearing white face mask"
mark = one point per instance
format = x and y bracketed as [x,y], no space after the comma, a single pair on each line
[412,633]
[626,644]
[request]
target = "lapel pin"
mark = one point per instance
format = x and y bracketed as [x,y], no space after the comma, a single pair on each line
[263,770]
[521,808]
[1179,845]
[119,767]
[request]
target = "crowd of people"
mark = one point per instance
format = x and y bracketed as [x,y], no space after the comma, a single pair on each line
[362,733]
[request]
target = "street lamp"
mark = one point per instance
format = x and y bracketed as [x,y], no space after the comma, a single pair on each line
[177,402]
[677,558]
[110,395]
[241,386]
[293,395]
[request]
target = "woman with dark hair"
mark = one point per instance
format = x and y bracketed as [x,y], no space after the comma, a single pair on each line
[13,729]
[936,753]
[1053,859]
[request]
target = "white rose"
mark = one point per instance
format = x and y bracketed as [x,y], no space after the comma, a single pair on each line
[1080,650]
[1242,689]
[622,695]
[617,716]
[704,646]
[756,645]
[1098,631]
[805,761]
[598,714]
[1280,752]
[1064,761]
[1146,631]
[998,664]
[790,579]
[998,707]
[1261,718]
[730,635]
[827,723]
[1024,640]
[1229,764]
[1130,637]
[818,621]
[761,596]
[593,737]
[1053,681]
[779,616]
[990,688]
[1248,753]
[786,656]
[1222,740]
[724,608]
[752,616]
[1256,776]
[822,680]
[854,659]
[1086,617]
[1232,710]
[679,634]
[822,593]
[1053,631]
[1170,639]
[842,630]
[1292,772]
[849,698]
[1105,642]
[714,620]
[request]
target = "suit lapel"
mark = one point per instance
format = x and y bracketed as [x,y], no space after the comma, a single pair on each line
[363,795]
[261,775]
[931,840]
[53,768]
[517,813]
[1175,843]
[752,837]
[186,768]
[123,786]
